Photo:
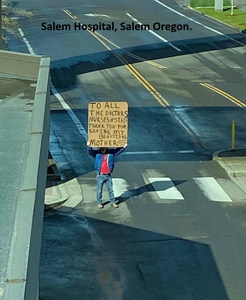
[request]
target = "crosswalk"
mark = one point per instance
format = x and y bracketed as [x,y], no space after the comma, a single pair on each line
[163,189]
[154,186]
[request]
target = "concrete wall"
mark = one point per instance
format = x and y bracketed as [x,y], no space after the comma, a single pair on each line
[39,144]
[23,265]
[19,65]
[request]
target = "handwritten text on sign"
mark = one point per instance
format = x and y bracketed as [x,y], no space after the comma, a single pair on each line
[107,124]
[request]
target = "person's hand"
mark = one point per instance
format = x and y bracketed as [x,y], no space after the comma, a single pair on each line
[125,146]
[88,143]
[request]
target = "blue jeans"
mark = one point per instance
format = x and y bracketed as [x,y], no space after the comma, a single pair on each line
[107,179]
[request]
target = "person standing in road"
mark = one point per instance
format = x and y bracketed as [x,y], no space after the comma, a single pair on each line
[104,166]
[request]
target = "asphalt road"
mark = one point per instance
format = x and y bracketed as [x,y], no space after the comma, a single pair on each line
[180,230]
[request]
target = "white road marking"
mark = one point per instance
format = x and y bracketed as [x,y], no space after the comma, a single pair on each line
[141,152]
[157,152]
[74,118]
[97,15]
[165,188]
[211,189]
[120,186]
[29,47]
[72,115]
[154,33]
[122,214]
[1,291]
[199,23]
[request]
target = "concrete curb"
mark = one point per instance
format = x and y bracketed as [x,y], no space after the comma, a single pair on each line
[230,168]
[64,194]
[234,166]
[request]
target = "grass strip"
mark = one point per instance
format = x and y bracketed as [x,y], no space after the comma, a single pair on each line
[204,3]
[237,19]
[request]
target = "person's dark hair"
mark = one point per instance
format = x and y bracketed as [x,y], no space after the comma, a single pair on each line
[103,150]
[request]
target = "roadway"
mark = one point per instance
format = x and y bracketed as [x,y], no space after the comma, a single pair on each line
[179,231]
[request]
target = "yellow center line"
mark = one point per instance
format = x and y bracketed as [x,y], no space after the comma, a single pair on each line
[131,54]
[126,64]
[66,11]
[150,62]
[135,73]
[128,53]
[224,94]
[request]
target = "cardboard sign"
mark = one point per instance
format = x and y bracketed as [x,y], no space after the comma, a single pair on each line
[107,124]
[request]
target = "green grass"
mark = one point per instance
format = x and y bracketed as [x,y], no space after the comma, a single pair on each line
[238,19]
[204,3]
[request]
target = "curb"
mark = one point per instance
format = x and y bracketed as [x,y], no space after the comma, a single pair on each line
[233,166]
[233,162]
[63,194]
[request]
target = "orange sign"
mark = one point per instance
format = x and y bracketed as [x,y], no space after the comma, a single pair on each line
[107,124]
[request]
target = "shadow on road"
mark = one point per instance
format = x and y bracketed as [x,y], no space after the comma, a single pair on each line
[87,258]
[64,72]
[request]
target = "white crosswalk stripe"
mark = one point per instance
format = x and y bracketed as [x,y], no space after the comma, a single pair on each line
[165,188]
[212,189]
[162,189]
[120,187]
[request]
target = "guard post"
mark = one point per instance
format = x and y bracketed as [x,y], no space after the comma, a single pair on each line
[233,135]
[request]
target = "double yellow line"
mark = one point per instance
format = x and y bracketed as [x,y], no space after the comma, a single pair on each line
[224,94]
[140,77]
[130,68]
[130,54]
[154,64]
[66,11]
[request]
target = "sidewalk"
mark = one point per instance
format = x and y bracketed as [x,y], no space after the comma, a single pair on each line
[234,164]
